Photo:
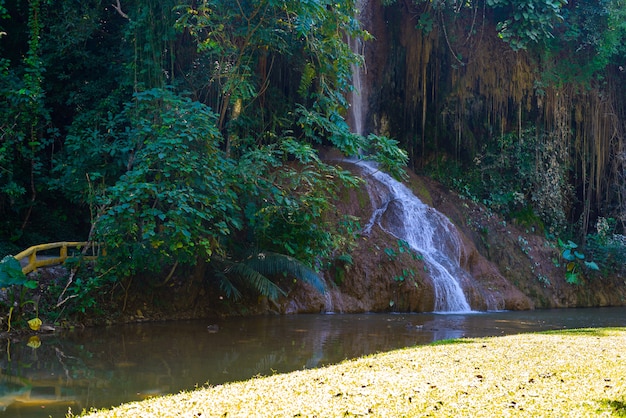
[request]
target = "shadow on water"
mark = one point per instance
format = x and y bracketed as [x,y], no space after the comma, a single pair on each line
[104,367]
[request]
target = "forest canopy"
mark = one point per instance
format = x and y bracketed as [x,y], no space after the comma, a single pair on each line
[180,134]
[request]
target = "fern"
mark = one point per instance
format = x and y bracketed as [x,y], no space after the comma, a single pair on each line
[308,75]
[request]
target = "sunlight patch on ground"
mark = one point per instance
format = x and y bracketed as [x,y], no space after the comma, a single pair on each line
[567,373]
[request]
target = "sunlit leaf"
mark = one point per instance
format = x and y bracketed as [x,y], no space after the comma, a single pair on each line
[568,255]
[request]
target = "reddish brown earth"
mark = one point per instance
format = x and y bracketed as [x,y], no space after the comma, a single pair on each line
[511,264]
[376,281]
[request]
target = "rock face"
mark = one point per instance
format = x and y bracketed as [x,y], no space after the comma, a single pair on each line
[524,257]
[511,266]
[386,275]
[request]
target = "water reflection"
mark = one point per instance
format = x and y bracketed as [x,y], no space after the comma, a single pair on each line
[105,367]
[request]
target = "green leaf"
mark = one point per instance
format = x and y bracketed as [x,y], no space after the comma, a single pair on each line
[270,263]
[592,265]
[567,254]
[30,284]
[571,277]
[289,248]
[259,282]
[11,272]
[228,287]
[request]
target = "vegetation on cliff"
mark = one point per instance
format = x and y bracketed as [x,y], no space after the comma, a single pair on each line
[180,137]
[515,102]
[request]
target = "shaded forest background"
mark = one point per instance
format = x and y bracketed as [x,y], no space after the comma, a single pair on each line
[185,136]
[523,119]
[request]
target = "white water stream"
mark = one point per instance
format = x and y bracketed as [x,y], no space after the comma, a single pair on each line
[358,96]
[425,230]
[402,214]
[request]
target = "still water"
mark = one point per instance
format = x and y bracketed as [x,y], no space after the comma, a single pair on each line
[104,367]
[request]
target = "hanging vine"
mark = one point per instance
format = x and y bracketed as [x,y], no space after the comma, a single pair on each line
[496,66]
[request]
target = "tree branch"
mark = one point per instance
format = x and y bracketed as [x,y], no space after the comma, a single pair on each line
[118,8]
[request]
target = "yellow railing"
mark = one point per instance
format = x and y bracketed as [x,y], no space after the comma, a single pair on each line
[33,263]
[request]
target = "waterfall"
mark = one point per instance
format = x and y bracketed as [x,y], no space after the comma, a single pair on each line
[357,107]
[401,213]
[358,96]
[425,230]
[328,302]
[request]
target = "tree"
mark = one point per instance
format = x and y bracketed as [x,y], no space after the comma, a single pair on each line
[273,68]
[520,23]
[175,199]
[526,22]
[214,157]
[26,132]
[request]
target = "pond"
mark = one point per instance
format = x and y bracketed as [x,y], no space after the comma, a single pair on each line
[103,367]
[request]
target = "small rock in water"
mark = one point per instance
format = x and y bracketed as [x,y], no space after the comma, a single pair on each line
[47,328]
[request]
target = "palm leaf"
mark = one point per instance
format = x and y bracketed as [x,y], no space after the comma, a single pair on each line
[270,264]
[253,272]
[228,287]
[255,279]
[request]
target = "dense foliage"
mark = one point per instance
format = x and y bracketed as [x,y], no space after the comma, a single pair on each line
[522,99]
[180,134]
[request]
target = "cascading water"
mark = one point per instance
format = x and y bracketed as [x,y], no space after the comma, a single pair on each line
[425,230]
[358,95]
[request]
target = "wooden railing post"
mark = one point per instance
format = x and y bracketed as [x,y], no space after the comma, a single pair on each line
[63,252]
[32,259]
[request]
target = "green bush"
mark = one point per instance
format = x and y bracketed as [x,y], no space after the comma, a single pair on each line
[519,175]
[607,249]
